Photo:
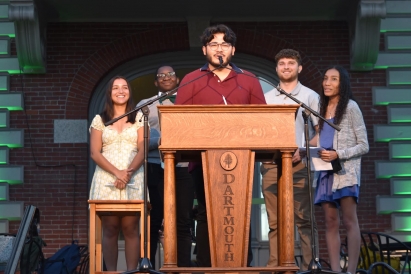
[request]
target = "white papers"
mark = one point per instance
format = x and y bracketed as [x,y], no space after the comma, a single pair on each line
[317,163]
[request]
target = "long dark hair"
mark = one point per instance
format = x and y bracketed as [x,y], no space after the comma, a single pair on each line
[345,96]
[108,112]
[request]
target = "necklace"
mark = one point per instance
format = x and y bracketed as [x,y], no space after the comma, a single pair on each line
[331,111]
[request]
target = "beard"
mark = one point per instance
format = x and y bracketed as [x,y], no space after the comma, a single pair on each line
[210,60]
[289,78]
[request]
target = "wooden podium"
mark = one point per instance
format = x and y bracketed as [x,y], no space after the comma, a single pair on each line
[228,139]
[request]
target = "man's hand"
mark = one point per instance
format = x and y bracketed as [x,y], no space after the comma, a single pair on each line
[296,157]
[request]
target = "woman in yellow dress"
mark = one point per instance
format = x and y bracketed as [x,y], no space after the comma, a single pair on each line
[118,151]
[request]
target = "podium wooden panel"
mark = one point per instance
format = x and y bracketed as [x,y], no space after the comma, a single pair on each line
[99,208]
[227,139]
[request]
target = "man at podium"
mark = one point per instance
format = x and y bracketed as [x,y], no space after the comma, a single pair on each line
[219,82]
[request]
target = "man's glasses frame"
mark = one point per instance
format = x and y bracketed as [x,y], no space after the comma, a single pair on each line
[170,74]
[214,46]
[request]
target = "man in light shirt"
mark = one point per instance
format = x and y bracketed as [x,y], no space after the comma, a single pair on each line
[288,67]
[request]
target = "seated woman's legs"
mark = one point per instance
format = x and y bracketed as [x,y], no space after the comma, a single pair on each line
[111,228]
[130,228]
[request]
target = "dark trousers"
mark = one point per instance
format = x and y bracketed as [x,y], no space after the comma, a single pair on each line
[202,240]
[184,206]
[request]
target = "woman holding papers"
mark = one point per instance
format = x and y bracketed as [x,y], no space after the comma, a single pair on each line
[335,189]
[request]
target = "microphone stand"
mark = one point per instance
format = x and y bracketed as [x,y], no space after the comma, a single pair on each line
[144,265]
[315,265]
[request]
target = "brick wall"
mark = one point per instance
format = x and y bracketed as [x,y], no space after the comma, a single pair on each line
[80,54]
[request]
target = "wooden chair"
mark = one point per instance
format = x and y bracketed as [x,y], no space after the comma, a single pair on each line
[83,267]
[100,208]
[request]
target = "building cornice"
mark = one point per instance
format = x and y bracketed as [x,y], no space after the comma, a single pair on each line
[365,34]
[30,36]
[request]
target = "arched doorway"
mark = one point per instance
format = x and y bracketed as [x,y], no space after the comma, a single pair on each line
[140,72]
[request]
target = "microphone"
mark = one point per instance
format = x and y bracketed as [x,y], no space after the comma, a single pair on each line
[221,61]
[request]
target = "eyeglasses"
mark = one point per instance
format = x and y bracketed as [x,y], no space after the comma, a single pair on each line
[163,75]
[224,46]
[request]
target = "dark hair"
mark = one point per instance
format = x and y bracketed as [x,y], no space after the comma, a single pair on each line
[208,34]
[158,68]
[108,111]
[288,53]
[345,96]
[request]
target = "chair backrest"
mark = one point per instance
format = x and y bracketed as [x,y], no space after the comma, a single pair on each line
[83,267]
[32,257]
[382,254]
